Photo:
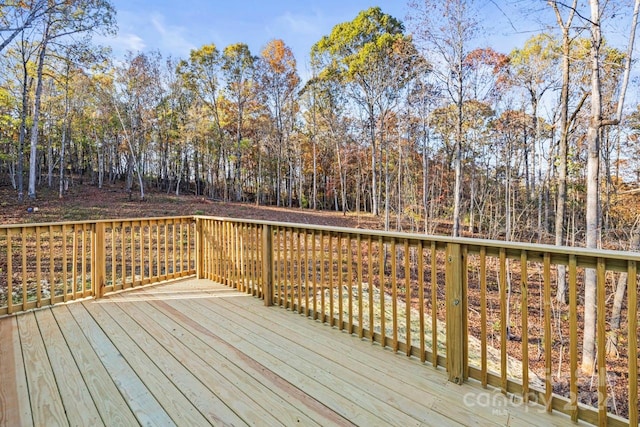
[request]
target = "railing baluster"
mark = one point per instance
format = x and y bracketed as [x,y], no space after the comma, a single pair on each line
[214,263]
[38,268]
[503,321]
[350,282]
[371,287]
[65,285]
[233,255]
[9,271]
[340,284]
[434,304]
[423,355]
[52,269]
[322,277]
[299,271]
[632,337]
[483,317]
[292,274]
[249,262]
[166,250]
[407,297]
[143,261]
[573,337]
[394,293]
[547,331]
[133,253]
[158,245]
[255,259]
[360,302]
[23,243]
[278,266]
[306,274]
[524,308]
[182,243]
[113,256]
[174,249]
[331,317]
[190,260]
[98,252]
[601,340]
[123,262]
[381,273]
[268,270]
[74,275]
[314,274]
[285,273]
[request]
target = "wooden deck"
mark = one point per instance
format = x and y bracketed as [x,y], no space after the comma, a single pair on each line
[197,353]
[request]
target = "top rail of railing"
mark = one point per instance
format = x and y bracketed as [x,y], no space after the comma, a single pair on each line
[616,260]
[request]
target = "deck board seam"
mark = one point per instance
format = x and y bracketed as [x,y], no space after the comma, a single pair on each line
[485,413]
[172,355]
[138,412]
[131,350]
[310,357]
[46,365]
[223,373]
[372,410]
[68,331]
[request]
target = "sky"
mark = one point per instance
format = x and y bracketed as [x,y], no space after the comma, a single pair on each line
[176,27]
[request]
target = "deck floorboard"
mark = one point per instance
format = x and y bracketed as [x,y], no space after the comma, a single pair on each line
[194,352]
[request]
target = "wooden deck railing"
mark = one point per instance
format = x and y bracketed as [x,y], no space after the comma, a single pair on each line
[43,264]
[481,309]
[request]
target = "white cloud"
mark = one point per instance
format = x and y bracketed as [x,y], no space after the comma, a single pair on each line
[123,42]
[171,38]
[298,23]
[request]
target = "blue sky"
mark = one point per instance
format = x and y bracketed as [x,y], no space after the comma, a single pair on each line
[176,27]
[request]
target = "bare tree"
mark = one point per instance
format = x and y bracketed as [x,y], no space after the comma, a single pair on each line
[596,124]
[70,18]
[447,28]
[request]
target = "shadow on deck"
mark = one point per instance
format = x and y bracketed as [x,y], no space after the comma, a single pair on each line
[197,353]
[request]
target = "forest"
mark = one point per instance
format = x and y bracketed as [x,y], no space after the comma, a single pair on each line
[407,118]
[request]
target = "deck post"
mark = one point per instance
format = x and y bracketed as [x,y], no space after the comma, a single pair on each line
[456,312]
[98,269]
[199,248]
[267,265]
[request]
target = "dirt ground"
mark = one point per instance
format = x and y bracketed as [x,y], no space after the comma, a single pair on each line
[86,202]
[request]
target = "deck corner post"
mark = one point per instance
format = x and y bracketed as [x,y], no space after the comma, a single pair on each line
[199,248]
[99,261]
[456,312]
[267,264]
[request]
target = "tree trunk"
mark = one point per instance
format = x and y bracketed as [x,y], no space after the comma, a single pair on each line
[425,177]
[374,184]
[593,199]
[33,159]
[23,130]
[315,174]
[100,149]
[561,202]
[457,191]
[65,134]
[618,299]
